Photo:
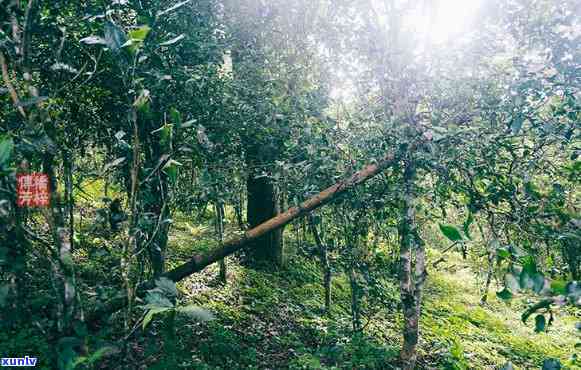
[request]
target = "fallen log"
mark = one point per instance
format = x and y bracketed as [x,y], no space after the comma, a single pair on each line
[198,262]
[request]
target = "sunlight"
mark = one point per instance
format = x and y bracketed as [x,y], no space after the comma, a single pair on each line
[450,18]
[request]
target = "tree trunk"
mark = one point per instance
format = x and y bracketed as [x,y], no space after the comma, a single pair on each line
[263,205]
[355,299]
[158,237]
[15,245]
[156,199]
[411,283]
[324,262]
[570,252]
[238,206]
[219,208]
[69,197]
[491,247]
[64,268]
[489,273]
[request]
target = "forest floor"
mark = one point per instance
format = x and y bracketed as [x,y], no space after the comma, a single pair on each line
[276,320]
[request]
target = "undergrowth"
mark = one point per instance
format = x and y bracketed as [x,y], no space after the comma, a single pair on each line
[276,320]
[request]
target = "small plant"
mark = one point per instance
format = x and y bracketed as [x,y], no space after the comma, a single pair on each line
[161,299]
[457,359]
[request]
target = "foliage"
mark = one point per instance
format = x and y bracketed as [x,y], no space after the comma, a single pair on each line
[154,118]
[159,300]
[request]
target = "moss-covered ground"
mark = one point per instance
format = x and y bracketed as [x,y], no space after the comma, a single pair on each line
[275,320]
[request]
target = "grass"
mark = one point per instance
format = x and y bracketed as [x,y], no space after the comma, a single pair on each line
[275,320]
[490,334]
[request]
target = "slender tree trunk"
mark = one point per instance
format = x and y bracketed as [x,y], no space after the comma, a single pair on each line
[411,277]
[69,199]
[490,258]
[156,199]
[355,299]
[158,237]
[324,262]
[64,266]
[489,273]
[327,282]
[219,207]
[238,206]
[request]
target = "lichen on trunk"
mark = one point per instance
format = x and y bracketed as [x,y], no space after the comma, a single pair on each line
[412,271]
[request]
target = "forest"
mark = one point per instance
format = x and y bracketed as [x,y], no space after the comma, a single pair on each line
[290,184]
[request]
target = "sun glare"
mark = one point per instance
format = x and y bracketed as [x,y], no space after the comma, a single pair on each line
[449,18]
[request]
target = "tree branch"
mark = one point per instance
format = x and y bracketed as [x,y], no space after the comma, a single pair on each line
[9,86]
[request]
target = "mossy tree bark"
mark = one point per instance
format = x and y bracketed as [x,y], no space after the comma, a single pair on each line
[412,271]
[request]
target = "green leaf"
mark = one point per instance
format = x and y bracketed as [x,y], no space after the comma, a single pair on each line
[172,174]
[114,36]
[139,33]
[155,299]
[4,290]
[151,313]
[67,260]
[467,224]
[559,286]
[136,38]
[142,101]
[516,124]
[529,265]
[171,170]
[551,364]
[95,356]
[196,313]
[526,280]
[167,286]
[503,253]
[538,282]
[540,323]
[176,117]
[451,232]
[173,8]
[93,40]
[66,352]
[6,148]
[166,136]
[507,366]
[173,41]
[504,294]
[80,329]
[511,282]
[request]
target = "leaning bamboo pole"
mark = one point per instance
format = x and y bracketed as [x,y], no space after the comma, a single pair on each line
[200,261]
